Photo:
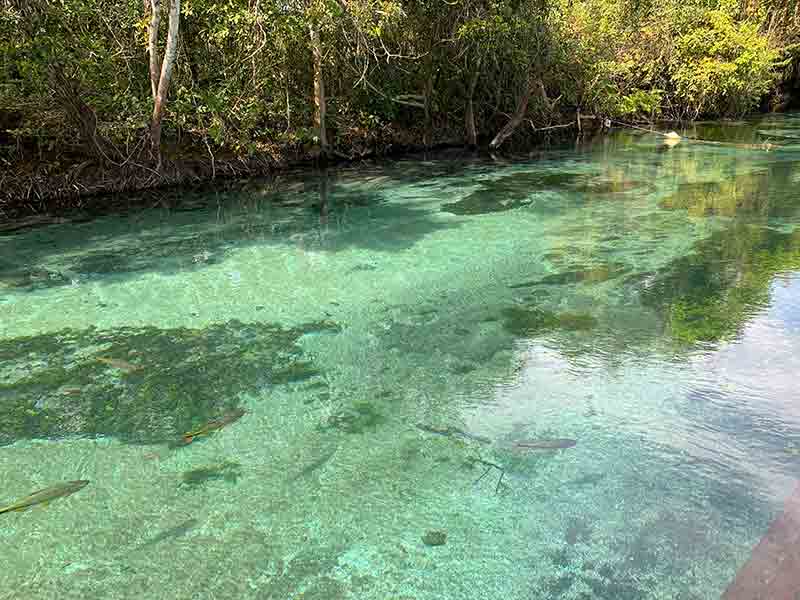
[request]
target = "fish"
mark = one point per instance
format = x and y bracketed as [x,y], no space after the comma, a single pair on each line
[118,363]
[453,432]
[172,533]
[319,462]
[45,495]
[555,444]
[214,425]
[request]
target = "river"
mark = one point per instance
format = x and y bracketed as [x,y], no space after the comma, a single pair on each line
[400,334]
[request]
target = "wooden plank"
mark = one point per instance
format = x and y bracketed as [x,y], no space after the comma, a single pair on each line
[773,571]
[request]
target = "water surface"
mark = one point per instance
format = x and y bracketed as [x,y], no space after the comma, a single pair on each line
[394,331]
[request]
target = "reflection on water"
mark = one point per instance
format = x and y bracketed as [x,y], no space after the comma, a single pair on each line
[569,376]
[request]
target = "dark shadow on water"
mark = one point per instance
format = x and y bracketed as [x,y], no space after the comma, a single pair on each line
[519,189]
[329,211]
[145,384]
[326,211]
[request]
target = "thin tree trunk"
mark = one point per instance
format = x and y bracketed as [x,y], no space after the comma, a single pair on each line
[319,92]
[166,76]
[288,104]
[469,116]
[152,44]
[427,134]
[70,98]
[509,128]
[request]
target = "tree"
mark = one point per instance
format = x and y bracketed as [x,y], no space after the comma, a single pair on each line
[161,90]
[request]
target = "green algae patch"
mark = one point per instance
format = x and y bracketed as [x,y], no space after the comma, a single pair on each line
[524,321]
[29,279]
[141,384]
[587,274]
[356,419]
[518,190]
[509,192]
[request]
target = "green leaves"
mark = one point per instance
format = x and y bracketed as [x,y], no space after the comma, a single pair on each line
[723,67]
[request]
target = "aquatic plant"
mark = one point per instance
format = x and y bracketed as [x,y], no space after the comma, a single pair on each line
[527,321]
[54,385]
[510,191]
[356,418]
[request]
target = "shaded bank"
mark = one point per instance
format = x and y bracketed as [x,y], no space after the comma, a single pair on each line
[73,185]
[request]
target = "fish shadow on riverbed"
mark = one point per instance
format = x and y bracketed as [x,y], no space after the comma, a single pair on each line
[228,471]
[172,533]
[320,459]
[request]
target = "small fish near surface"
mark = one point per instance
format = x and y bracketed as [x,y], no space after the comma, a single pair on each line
[118,363]
[45,495]
[554,444]
[214,425]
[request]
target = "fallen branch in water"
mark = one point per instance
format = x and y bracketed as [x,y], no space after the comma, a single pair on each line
[489,466]
[562,126]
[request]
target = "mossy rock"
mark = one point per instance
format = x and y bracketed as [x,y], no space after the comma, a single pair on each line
[434,538]
[162,382]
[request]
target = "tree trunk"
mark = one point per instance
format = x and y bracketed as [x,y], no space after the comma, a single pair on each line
[509,128]
[319,92]
[152,44]
[469,116]
[427,133]
[167,64]
[69,96]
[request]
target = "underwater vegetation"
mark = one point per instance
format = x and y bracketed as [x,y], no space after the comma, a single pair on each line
[519,189]
[54,385]
[355,419]
[525,321]
[509,192]
[578,274]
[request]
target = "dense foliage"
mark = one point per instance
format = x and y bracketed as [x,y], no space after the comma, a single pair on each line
[75,83]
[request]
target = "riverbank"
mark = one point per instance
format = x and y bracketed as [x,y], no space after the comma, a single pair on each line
[56,184]
[49,188]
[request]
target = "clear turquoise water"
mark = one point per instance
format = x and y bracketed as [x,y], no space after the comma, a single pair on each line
[641,301]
